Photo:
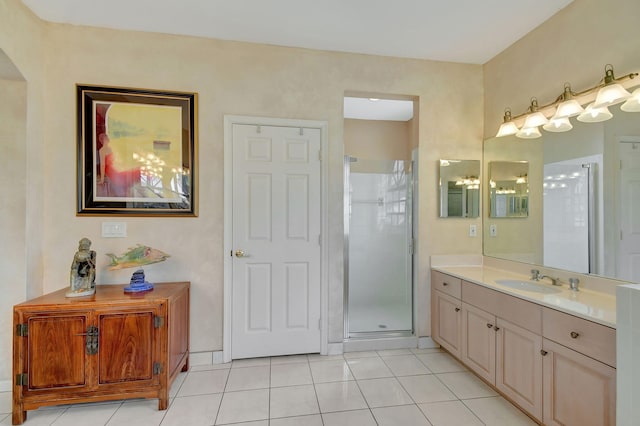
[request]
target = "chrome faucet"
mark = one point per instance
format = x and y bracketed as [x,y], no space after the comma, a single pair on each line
[554,281]
[535,275]
[573,284]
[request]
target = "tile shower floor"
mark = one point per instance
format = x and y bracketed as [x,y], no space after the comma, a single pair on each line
[401,387]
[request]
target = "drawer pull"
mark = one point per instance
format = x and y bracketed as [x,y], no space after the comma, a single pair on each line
[489,325]
[457,309]
[445,284]
[574,335]
[543,352]
[496,328]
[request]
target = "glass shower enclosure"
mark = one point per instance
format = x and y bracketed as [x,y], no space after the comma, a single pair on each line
[378,248]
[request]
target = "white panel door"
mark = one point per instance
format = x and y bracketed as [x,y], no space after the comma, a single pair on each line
[629,251]
[276,241]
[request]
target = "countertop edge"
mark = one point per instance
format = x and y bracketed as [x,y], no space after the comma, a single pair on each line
[463,272]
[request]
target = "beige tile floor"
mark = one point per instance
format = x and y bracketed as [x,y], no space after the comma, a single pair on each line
[401,387]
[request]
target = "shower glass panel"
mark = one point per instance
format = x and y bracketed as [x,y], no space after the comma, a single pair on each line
[569,215]
[378,247]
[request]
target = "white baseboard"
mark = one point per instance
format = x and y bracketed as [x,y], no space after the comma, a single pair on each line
[5,386]
[205,358]
[217,357]
[374,344]
[335,349]
[427,343]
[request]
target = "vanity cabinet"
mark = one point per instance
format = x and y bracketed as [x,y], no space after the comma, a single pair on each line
[478,349]
[579,371]
[107,346]
[500,344]
[446,312]
[557,367]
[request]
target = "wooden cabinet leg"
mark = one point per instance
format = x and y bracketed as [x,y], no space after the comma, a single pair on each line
[163,403]
[185,367]
[19,416]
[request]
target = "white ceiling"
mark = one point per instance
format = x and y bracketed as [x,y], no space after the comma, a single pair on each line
[467,31]
[378,109]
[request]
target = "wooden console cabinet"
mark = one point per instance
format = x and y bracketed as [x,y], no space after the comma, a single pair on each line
[108,346]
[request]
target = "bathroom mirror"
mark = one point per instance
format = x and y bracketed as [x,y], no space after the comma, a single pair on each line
[508,189]
[582,195]
[459,188]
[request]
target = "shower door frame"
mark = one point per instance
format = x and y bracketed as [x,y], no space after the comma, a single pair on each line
[412,251]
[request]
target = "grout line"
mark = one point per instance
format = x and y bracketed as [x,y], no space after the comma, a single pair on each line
[114,413]
[470,410]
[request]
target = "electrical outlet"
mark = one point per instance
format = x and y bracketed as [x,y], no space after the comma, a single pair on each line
[493,230]
[473,230]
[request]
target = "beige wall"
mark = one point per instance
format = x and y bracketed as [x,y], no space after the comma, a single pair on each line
[13,160]
[22,118]
[572,46]
[230,78]
[377,139]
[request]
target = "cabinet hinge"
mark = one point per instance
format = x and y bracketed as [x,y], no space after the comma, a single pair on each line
[22,330]
[22,379]
[158,321]
[157,368]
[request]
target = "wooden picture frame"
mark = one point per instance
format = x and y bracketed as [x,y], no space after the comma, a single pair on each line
[137,152]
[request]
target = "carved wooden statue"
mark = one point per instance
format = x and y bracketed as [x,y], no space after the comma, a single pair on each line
[83,271]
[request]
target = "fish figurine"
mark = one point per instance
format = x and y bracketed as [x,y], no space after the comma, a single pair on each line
[137,256]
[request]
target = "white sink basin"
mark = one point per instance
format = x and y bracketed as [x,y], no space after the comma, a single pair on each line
[529,286]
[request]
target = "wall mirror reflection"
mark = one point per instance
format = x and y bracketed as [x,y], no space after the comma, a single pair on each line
[584,186]
[460,188]
[509,189]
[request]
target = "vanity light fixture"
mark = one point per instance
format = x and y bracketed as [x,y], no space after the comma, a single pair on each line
[607,92]
[508,127]
[612,92]
[595,115]
[561,124]
[569,107]
[534,119]
[633,103]
[471,182]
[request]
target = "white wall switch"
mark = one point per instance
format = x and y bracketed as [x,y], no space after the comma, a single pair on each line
[114,229]
[473,230]
[493,230]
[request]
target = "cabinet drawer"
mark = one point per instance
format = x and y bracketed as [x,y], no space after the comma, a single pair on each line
[446,284]
[520,312]
[592,339]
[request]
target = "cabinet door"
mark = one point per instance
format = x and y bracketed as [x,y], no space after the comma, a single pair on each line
[128,346]
[578,390]
[446,322]
[478,349]
[56,354]
[519,366]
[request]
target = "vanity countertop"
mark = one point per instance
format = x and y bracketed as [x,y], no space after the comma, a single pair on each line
[588,304]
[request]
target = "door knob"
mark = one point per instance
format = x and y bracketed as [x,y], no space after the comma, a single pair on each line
[239,253]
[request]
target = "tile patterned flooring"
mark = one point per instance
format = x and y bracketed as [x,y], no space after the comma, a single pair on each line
[401,387]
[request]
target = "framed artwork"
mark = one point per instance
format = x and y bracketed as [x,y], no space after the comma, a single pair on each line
[137,152]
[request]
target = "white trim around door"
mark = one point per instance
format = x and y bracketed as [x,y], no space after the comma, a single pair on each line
[229,122]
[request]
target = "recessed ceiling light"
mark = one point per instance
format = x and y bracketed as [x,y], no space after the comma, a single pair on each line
[374,99]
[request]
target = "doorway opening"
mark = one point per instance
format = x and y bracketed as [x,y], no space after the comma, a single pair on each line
[379,221]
